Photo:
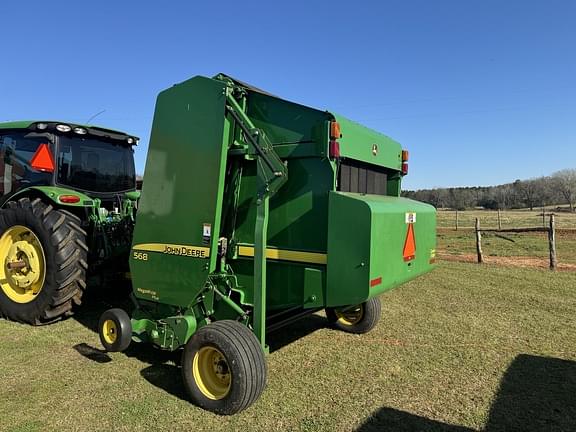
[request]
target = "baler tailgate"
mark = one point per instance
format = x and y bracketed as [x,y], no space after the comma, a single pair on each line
[376,243]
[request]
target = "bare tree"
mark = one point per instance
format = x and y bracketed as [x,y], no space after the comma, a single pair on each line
[565,183]
[503,195]
[527,191]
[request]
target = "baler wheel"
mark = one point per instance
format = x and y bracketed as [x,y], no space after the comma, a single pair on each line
[115,330]
[357,319]
[223,367]
[43,262]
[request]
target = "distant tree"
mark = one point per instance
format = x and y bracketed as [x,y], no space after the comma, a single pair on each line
[565,183]
[560,187]
[527,192]
[503,195]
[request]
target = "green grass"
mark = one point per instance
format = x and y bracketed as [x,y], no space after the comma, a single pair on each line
[463,242]
[439,356]
[508,218]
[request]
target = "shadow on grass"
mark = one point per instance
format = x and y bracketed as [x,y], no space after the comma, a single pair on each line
[164,369]
[91,353]
[100,298]
[297,330]
[537,394]
[95,304]
[166,377]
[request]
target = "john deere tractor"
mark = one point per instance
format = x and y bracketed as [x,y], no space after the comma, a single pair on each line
[67,203]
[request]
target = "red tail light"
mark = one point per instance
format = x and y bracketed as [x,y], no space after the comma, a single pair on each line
[334,149]
[405,168]
[42,159]
[69,199]
[404,162]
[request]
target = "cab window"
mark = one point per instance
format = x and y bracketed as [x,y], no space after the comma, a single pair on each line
[16,151]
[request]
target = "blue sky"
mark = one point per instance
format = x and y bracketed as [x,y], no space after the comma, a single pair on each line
[480,92]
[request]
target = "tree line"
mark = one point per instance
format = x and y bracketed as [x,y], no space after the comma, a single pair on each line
[556,189]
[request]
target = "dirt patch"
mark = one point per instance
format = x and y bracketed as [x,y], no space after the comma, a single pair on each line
[517,261]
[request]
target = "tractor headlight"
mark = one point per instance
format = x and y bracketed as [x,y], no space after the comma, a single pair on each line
[63,128]
[80,131]
[41,126]
[130,140]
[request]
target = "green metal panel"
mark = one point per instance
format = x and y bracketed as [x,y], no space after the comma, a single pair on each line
[297,211]
[366,238]
[182,194]
[313,288]
[287,123]
[361,143]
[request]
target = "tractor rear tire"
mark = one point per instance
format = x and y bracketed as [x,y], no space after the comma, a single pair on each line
[357,319]
[115,330]
[43,262]
[224,368]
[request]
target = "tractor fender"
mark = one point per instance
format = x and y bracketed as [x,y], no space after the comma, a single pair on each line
[51,193]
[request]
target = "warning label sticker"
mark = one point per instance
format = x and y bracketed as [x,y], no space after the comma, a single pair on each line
[410,218]
[206,233]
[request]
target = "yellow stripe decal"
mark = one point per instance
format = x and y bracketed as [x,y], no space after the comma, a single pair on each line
[286,255]
[173,249]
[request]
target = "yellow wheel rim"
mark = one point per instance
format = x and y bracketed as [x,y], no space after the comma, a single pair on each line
[109,331]
[350,316]
[22,264]
[211,373]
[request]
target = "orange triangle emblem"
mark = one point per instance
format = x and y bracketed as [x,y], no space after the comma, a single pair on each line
[410,244]
[42,159]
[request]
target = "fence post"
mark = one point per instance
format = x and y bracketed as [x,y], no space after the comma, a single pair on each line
[456,220]
[552,243]
[479,242]
[543,217]
[499,221]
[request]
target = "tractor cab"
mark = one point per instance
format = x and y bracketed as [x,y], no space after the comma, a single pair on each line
[95,161]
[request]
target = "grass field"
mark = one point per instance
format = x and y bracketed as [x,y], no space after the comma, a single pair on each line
[466,347]
[534,245]
[508,218]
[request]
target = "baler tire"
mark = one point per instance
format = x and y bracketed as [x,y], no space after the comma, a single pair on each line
[61,245]
[115,330]
[368,318]
[236,355]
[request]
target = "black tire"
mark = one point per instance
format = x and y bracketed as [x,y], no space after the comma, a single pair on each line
[356,319]
[244,366]
[65,259]
[115,330]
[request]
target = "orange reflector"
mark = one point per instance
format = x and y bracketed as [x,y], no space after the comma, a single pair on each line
[410,244]
[335,130]
[404,155]
[42,159]
[375,282]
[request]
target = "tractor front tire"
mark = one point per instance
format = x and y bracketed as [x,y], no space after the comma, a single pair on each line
[43,262]
[356,319]
[224,368]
